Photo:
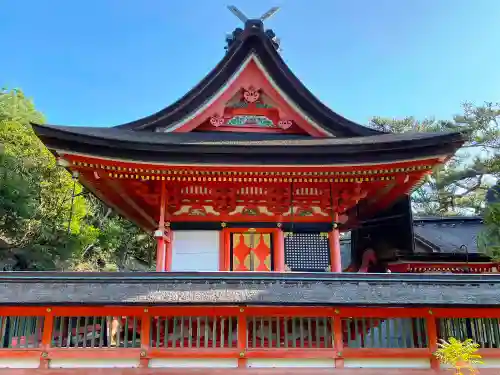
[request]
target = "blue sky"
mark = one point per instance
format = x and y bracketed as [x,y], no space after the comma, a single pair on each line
[105,62]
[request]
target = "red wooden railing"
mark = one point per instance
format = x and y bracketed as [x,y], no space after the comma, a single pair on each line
[240,332]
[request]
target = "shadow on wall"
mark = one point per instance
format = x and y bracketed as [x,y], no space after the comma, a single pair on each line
[389,233]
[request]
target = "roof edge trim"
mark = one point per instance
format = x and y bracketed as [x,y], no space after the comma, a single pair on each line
[61,152]
[212,100]
[290,102]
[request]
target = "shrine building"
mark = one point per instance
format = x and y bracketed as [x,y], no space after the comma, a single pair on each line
[249,183]
[251,165]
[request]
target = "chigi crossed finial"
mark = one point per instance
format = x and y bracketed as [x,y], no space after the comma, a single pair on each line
[253,24]
[238,13]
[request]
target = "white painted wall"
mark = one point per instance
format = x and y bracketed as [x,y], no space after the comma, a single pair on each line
[194,363]
[94,363]
[420,363]
[195,250]
[290,363]
[19,362]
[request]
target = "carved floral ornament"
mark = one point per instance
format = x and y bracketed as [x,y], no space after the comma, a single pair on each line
[285,124]
[251,95]
[216,121]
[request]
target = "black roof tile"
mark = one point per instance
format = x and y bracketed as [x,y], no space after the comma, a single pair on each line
[449,234]
[295,289]
[245,148]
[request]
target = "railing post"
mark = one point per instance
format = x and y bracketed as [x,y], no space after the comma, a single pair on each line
[145,338]
[433,339]
[242,338]
[338,339]
[48,325]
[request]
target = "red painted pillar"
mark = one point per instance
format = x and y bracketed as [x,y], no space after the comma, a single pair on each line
[279,251]
[169,241]
[222,250]
[227,250]
[160,232]
[334,242]
[160,251]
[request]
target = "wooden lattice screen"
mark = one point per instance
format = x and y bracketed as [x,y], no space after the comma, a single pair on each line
[307,251]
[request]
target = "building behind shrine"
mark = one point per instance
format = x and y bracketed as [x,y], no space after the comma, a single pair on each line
[247,182]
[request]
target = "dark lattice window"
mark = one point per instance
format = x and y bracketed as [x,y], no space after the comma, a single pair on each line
[307,252]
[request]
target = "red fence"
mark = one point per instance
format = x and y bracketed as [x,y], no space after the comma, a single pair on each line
[240,332]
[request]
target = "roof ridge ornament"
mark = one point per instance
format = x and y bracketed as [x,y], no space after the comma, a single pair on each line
[252,25]
[238,13]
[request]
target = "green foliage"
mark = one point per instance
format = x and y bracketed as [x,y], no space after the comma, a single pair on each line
[408,124]
[118,244]
[34,191]
[36,204]
[458,187]
[489,239]
[17,196]
[459,354]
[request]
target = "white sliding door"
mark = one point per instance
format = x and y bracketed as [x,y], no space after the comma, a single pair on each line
[195,250]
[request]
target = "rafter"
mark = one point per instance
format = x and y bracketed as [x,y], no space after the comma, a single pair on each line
[118,189]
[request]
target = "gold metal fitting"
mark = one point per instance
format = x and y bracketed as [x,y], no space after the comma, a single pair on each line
[146,310]
[242,354]
[337,311]
[45,355]
[143,353]
[49,309]
[223,225]
[242,309]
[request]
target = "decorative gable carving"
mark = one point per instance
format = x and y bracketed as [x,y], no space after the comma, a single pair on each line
[250,109]
[249,102]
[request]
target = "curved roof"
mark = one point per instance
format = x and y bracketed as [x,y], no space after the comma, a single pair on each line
[245,148]
[252,42]
[349,143]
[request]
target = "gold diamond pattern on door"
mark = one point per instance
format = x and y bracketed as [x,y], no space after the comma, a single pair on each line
[251,252]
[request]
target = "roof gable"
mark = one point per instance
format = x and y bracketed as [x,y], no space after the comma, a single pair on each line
[251,61]
[250,101]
